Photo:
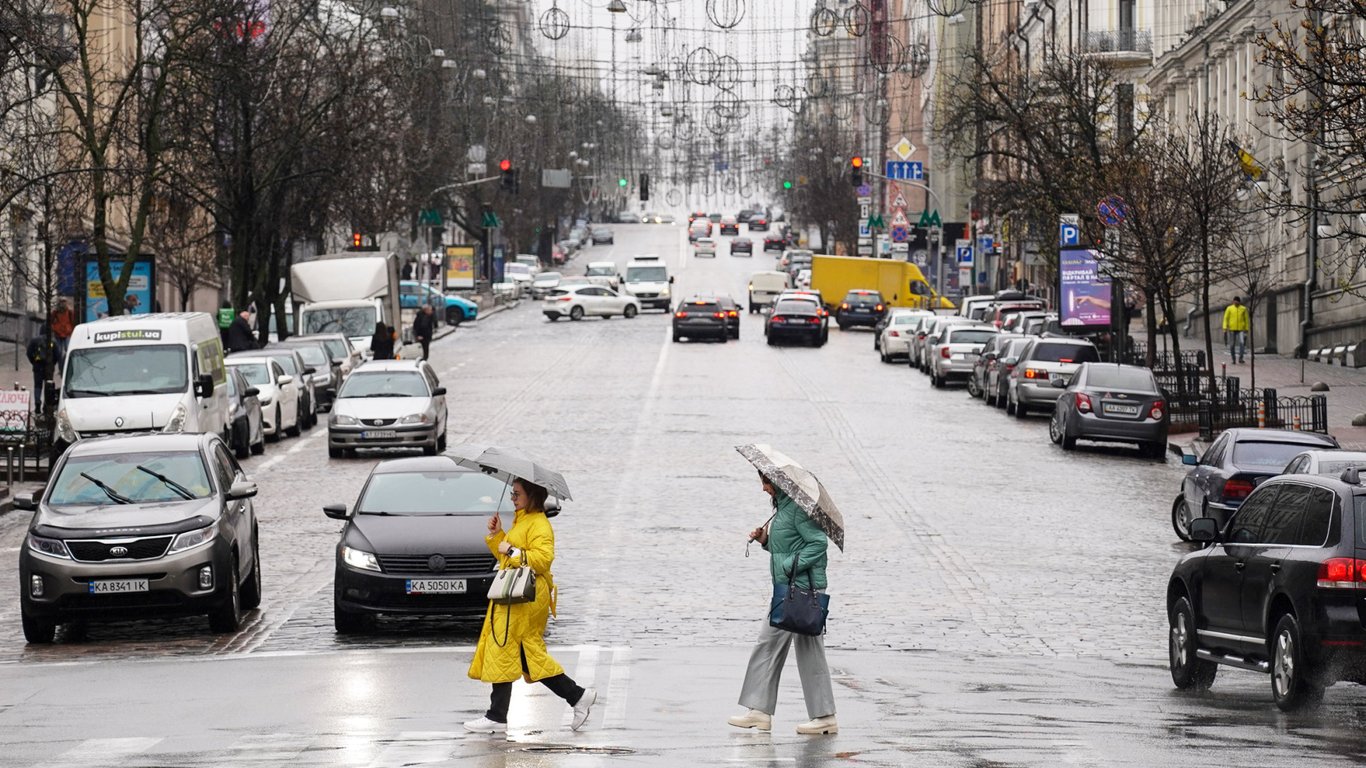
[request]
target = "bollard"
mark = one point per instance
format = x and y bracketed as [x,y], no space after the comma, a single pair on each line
[9,467]
[1261,414]
[21,463]
[1294,424]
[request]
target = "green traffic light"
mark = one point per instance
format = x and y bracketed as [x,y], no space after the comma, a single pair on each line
[787,185]
[621,182]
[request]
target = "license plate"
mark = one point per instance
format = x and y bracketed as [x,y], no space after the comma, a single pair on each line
[378,434]
[114,586]
[1121,410]
[435,586]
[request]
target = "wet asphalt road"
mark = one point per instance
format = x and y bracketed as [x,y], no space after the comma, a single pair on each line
[999,603]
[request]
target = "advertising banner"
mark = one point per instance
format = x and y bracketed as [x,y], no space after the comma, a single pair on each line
[1084,292]
[459,266]
[138,300]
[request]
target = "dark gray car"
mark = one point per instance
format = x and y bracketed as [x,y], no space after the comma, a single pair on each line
[327,375]
[1112,403]
[140,525]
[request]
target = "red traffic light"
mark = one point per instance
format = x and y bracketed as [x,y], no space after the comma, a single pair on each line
[505,165]
[856,161]
[357,240]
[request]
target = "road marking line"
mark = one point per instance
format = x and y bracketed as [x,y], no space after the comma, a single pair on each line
[618,681]
[417,748]
[101,752]
[397,651]
[585,674]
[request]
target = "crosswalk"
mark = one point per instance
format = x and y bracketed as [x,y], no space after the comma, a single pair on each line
[538,723]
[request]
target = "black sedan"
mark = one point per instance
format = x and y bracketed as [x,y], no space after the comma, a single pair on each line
[774,242]
[796,319]
[757,224]
[860,307]
[246,430]
[414,543]
[742,246]
[327,376]
[1277,590]
[732,310]
[1228,471]
[701,317]
[1111,403]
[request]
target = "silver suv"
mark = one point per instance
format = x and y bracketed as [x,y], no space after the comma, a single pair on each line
[955,352]
[140,525]
[1044,359]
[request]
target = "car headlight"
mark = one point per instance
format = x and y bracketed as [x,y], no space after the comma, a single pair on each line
[177,422]
[49,547]
[416,418]
[664,291]
[64,431]
[342,420]
[191,539]
[361,559]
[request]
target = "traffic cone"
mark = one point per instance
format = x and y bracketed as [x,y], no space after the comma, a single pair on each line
[1261,414]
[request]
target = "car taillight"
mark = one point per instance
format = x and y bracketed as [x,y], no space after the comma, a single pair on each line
[565,298]
[1342,573]
[733,313]
[814,320]
[920,336]
[1064,359]
[944,352]
[1237,488]
[845,305]
[1083,403]
[680,314]
[1035,373]
[1156,413]
[719,315]
[894,334]
[878,308]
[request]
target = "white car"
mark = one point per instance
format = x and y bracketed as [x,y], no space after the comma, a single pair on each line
[579,301]
[277,391]
[543,283]
[704,246]
[894,340]
[519,273]
[603,273]
[803,279]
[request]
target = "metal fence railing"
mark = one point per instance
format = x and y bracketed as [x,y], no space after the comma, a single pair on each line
[25,445]
[1262,409]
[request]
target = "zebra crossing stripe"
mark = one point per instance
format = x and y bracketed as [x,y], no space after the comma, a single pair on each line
[618,681]
[418,748]
[585,674]
[99,753]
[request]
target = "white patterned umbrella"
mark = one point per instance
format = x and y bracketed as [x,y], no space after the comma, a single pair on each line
[797,482]
[507,465]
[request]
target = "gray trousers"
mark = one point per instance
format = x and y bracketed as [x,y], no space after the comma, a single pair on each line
[760,690]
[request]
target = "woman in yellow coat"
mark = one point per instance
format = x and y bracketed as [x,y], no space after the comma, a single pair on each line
[512,642]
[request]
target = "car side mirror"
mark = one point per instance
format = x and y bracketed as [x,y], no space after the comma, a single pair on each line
[1058,383]
[204,385]
[285,380]
[439,391]
[1204,529]
[990,356]
[1190,459]
[310,370]
[27,502]
[336,511]
[339,361]
[242,489]
[250,392]
[671,279]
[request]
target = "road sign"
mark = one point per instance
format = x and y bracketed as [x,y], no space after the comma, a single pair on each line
[865,210]
[865,191]
[1069,235]
[1112,211]
[900,233]
[905,169]
[875,221]
[985,244]
[864,230]
[929,219]
[490,220]
[903,148]
[963,250]
[900,201]
[899,219]
[429,217]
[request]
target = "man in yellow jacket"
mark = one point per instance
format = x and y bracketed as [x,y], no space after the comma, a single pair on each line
[1235,330]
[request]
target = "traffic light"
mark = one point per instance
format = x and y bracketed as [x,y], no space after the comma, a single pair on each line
[787,184]
[621,182]
[357,241]
[856,171]
[644,187]
[511,180]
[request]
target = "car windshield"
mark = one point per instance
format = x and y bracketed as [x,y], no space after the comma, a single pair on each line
[1114,377]
[1269,455]
[351,321]
[313,356]
[130,478]
[255,373]
[607,270]
[905,320]
[385,384]
[432,493]
[704,307]
[145,369]
[1064,353]
[287,362]
[337,349]
[646,274]
[873,296]
[970,336]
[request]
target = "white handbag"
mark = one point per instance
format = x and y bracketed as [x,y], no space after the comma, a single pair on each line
[513,585]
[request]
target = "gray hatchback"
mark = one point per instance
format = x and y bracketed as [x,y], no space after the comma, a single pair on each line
[1112,403]
[140,525]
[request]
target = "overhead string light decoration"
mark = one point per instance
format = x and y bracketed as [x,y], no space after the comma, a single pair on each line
[554,23]
[726,14]
[824,21]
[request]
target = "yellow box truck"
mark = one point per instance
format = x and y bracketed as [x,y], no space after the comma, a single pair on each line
[901,283]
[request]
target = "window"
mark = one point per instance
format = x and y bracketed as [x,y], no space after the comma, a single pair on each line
[385,384]
[432,493]
[1246,525]
[223,468]
[1264,455]
[971,336]
[1318,519]
[1295,467]
[1055,352]
[145,369]
[1282,524]
[129,476]
[1214,455]
[1115,377]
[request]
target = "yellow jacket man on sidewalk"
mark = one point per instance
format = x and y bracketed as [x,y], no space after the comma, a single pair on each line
[1236,326]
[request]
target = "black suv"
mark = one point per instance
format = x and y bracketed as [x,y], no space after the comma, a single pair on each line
[700,317]
[1277,591]
[861,307]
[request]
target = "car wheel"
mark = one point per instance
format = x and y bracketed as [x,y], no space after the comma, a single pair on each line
[227,615]
[677,338]
[1181,518]
[938,381]
[454,316]
[38,630]
[1021,410]
[1010,405]
[298,417]
[974,390]
[576,313]
[274,436]
[334,453]
[1292,680]
[1054,431]
[259,447]
[629,312]
[1188,670]
[885,358]
[770,340]
[241,438]
[251,591]
[347,622]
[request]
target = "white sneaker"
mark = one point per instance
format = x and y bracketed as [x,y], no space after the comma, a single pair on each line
[485,725]
[582,709]
[752,719]
[825,724]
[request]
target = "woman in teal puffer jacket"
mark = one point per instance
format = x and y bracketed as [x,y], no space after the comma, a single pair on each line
[791,537]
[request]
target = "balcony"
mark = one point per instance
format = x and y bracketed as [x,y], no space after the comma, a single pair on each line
[1121,47]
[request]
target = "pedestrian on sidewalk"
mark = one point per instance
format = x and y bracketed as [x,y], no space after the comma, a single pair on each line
[423,325]
[1236,326]
[62,321]
[512,641]
[382,343]
[239,336]
[42,355]
[790,535]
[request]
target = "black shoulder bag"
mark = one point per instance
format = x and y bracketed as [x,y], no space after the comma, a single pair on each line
[802,610]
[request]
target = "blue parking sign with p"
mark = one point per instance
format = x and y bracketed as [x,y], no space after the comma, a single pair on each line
[1068,234]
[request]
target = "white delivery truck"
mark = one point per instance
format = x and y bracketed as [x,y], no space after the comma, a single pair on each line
[347,293]
[648,280]
[143,373]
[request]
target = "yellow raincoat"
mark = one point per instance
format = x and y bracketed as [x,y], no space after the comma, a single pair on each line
[511,631]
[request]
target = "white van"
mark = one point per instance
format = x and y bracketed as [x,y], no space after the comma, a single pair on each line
[143,373]
[764,288]
[648,279]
